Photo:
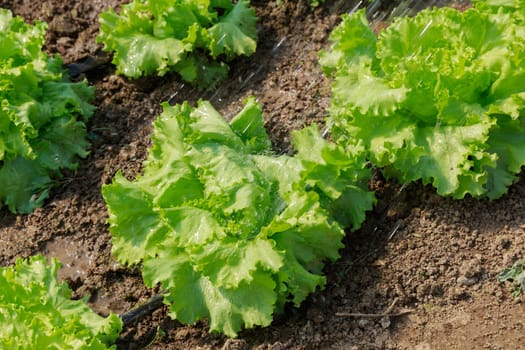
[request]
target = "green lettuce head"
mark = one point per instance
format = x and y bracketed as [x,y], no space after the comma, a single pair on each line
[196,39]
[232,231]
[437,97]
[42,116]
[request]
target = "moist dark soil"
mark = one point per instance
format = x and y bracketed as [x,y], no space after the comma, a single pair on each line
[420,274]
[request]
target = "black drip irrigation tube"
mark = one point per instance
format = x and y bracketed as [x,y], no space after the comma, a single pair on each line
[153,303]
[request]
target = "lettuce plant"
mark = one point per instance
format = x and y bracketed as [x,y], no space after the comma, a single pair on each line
[194,38]
[39,130]
[232,231]
[516,275]
[438,97]
[36,311]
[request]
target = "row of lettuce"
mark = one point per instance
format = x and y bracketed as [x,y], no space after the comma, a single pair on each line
[232,231]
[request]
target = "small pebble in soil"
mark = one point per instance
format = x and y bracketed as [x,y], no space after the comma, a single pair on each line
[363,323]
[235,344]
[466,281]
[277,346]
[385,322]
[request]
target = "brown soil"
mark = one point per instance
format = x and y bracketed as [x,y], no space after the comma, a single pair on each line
[435,257]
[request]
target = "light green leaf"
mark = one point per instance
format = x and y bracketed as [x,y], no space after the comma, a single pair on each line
[144,55]
[338,174]
[194,296]
[235,34]
[36,311]
[130,235]
[248,124]
[242,258]
[352,40]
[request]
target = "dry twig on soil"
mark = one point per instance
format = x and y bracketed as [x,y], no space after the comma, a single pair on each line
[387,313]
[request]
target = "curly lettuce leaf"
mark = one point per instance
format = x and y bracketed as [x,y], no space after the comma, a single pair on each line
[430,96]
[218,218]
[192,38]
[236,33]
[42,116]
[338,174]
[36,311]
[195,294]
[249,126]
